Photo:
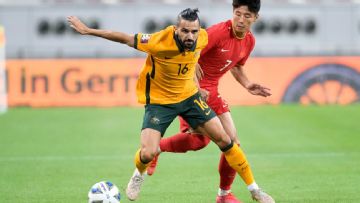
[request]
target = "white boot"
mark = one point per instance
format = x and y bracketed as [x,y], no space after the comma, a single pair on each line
[261,196]
[134,185]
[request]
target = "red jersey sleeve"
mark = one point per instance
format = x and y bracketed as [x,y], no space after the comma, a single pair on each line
[213,39]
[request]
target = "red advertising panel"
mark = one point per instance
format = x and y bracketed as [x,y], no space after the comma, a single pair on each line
[112,82]
[94,82]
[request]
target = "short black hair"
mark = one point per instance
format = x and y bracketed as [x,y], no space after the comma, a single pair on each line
[188,14]
[253,5]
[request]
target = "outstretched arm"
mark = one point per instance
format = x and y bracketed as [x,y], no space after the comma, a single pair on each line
[83,29]
[253,88]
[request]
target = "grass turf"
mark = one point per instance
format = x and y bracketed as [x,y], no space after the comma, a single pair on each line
[298,154]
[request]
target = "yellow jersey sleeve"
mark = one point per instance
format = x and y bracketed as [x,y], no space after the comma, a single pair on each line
[147,42]
[202,39]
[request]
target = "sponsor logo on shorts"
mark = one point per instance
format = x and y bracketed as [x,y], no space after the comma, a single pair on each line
[208,112]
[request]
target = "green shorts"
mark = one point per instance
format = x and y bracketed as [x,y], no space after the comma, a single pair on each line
[193,110]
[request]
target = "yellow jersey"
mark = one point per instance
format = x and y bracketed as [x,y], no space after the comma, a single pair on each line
[167,76]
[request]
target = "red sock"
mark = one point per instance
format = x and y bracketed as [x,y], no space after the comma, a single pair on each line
[183,142]
[227,174]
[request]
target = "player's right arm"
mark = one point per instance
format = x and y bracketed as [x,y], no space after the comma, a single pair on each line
[199,72]
[203,92]
[253,88]
[83,29]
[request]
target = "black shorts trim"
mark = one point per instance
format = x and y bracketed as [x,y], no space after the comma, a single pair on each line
[153,67]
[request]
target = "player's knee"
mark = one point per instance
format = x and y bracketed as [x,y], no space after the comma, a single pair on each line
[231,132]
[199,142]
[147,155]
[222,141]
[235,139]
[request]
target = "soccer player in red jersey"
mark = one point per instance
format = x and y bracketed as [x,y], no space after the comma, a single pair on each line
[230,44]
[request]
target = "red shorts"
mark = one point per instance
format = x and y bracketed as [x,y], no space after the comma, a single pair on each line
[216,103]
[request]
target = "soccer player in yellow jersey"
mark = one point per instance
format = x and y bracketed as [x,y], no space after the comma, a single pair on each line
[167,87]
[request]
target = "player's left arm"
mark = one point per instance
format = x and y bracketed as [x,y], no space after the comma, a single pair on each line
[199,72]
[253,88]
[83,29]
[203,92]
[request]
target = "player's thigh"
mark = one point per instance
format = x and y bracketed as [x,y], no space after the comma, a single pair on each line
[159,117]
[214,130]
[229,126]
[195,111]
[150,140]
[203,119]
[217,103]
[183,125]
[186,128]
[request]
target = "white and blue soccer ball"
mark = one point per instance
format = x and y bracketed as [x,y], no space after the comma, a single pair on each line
[104,192]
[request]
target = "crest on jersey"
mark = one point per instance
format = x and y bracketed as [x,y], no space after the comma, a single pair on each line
[197,53]
[155,120]
[145,38]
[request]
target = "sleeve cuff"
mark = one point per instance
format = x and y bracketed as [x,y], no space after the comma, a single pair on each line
[136,41]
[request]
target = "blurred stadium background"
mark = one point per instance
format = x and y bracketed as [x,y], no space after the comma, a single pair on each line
[286,27]
[303,141]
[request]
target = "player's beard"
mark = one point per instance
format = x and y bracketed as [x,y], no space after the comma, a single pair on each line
[188,44]
[185,44]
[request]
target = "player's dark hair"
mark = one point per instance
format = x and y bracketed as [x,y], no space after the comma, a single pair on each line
[188,14]
[253,5]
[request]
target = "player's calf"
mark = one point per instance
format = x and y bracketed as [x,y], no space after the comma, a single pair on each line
[152,166]
[184,142]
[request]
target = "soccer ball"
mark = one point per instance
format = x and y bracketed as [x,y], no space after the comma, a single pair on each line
[104,192]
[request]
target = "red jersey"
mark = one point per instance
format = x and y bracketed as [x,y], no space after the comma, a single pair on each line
[223,52]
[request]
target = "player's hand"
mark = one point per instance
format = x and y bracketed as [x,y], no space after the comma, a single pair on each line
[77,25]
[204,94]
[259,90]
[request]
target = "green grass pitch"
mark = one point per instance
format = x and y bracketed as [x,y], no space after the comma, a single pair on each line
[298,155]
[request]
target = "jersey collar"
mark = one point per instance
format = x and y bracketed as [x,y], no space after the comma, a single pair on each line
[180,46]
